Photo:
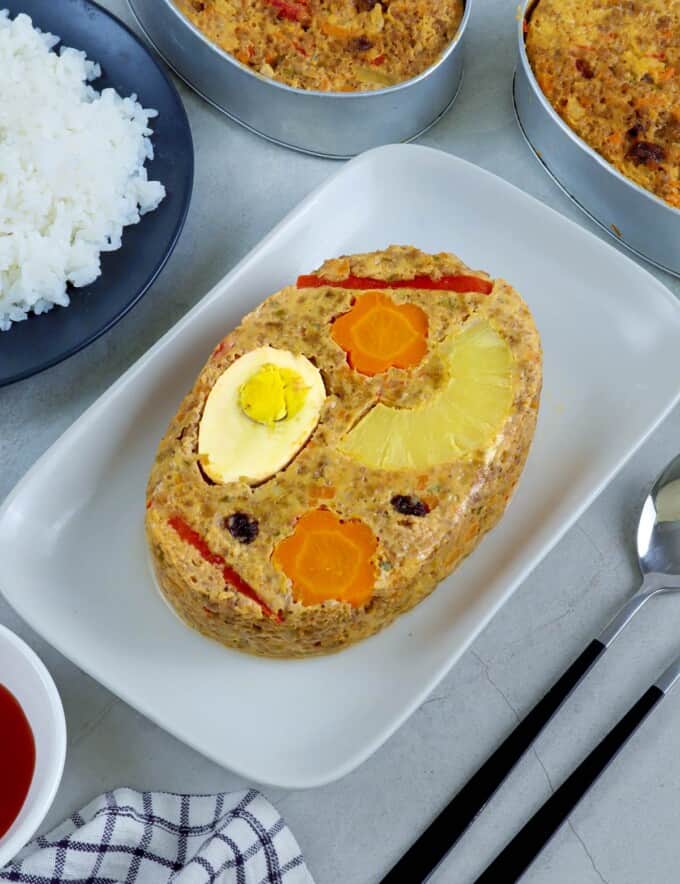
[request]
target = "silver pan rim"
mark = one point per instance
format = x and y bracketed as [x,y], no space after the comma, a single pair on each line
[313,93]
[579,205]
[606,166]
[280,143]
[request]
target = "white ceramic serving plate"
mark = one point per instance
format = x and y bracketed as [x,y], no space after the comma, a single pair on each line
[25,676]
[72,549]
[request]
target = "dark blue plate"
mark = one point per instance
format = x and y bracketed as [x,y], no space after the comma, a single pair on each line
[41,341]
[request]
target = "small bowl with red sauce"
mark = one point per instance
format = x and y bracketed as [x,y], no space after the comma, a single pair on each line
[32,743]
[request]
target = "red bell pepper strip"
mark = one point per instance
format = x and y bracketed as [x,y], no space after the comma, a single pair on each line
[456,283]
[294,11]
[187,533]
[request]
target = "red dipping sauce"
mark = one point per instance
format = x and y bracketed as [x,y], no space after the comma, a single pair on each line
[17,758]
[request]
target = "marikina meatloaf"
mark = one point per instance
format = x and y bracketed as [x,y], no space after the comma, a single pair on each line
[330,45]
[342,450]
[611,70]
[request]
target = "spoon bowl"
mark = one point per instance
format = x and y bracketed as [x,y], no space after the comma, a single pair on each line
[658,537]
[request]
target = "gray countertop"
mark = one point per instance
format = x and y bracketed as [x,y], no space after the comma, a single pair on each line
[626,829]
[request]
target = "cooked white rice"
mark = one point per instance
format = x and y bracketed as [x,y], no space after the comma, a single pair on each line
[72,170]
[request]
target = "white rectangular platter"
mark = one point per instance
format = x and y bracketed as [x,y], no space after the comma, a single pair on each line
[72,551]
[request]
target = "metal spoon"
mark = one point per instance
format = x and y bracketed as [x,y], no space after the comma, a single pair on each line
[658,548]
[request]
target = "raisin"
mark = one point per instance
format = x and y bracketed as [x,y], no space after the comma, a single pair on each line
[361,44]
[408,505]
[635,131]
[584,68]
[242,527]
[645,152]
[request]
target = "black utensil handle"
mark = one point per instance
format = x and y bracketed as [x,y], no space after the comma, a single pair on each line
[427,852]
[514,859]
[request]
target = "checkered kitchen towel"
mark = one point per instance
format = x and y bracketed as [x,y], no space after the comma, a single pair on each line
[127,837]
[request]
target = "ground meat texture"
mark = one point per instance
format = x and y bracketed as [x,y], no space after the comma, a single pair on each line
[668,129]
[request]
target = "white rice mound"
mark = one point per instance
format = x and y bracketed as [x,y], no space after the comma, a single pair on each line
[72,170]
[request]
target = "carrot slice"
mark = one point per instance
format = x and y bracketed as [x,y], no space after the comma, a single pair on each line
[377,334]
[456,283]
[326,558]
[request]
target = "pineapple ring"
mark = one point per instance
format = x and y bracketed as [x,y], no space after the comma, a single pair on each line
[463,418]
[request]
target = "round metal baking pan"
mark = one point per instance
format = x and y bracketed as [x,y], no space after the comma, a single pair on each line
[636,218]
[336,125]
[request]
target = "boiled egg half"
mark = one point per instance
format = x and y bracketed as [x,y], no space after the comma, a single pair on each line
[258,415]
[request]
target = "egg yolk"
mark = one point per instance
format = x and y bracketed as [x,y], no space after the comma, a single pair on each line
[272,394]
